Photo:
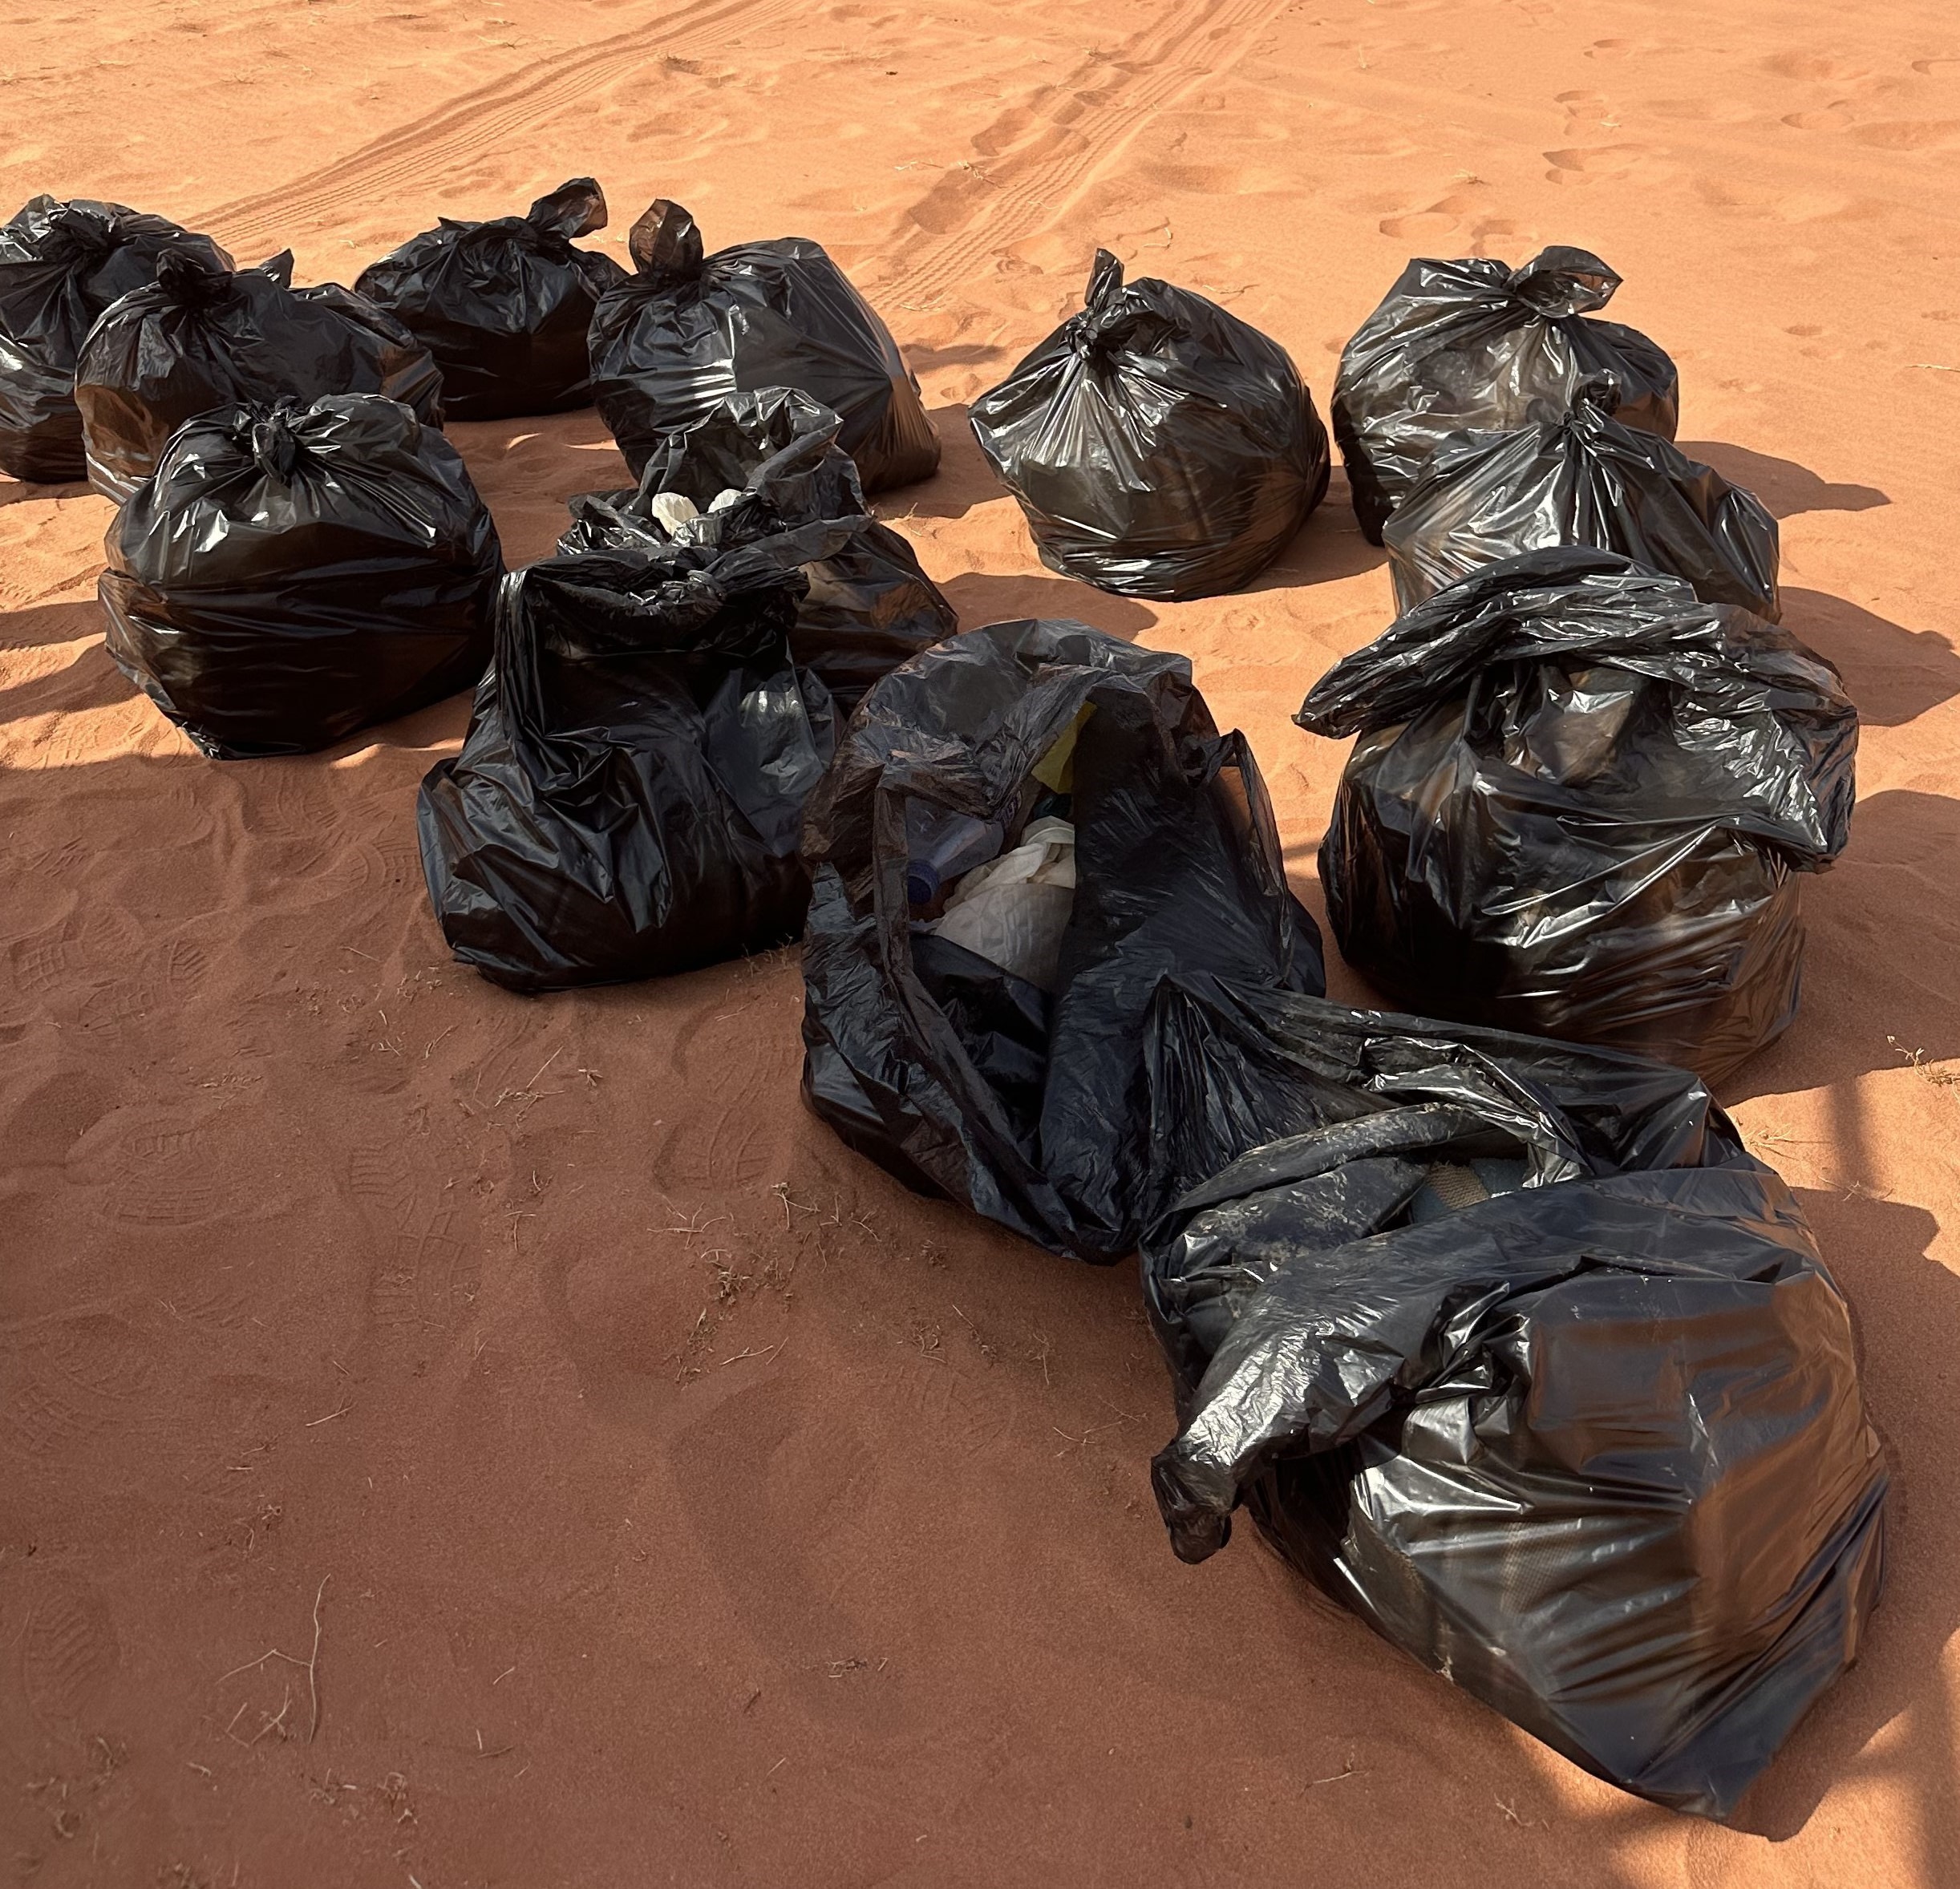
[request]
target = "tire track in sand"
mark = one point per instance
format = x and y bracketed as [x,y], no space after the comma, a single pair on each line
[479,121]
[1039,156]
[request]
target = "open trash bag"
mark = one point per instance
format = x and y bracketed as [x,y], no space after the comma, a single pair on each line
[504,306]
[202,336]
[1580,805]
[628,799]
[1510,1347]
[763,463]
[61,265]
[1582,478]
[291,574]
[1023,829]
[687,330]
[1159,446]
[1474,344]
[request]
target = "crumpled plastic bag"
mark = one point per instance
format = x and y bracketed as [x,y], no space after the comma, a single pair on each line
[687,330]
[770,460]
[628,800]
[203,336]
[1159,446]
[504,306]
[1474,344]
[1582,478]
[61,265]
[1013,911]
[959,1077]
[1512,1349]
[290,574]
[1580,806]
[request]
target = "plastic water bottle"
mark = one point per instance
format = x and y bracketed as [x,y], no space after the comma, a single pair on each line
[940,846]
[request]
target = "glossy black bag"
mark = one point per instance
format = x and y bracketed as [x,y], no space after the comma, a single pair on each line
[1512,1349]
[770,459]
[628,799]
[1582,478]
[687,330]
[290,575]
[61,265]
[1580,805]
[202,337]
[1474,344]
[1159,446]
[504,306]
[1024,1100]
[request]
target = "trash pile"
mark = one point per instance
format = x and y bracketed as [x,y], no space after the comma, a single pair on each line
[687,329]
[1158,446]
[1580,806]
[503,307]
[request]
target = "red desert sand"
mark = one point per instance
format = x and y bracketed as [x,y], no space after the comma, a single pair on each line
[448,1438]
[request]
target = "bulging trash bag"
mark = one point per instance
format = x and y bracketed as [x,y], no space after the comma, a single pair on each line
[1160,447]
[1021,1095]
[687,330]
[61,265]
[1582,478]
[1580,805]
[1472,344]
[628,799]
[504,306]
[771,460]
[203,336]
[1509,1347]
[290,574]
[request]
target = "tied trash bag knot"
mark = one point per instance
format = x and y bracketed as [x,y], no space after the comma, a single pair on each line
[78,234]
[575,208]
[1596,396]
[1561,281]
[666,244]
[273,446]
[194,279]
[1110,322]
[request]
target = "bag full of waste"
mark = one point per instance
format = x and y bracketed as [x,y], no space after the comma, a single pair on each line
[1509,1347]
[1582,478]
[203,336]
[290,574]
[628,800]
[1024,828]
[687,329]
[1159,446]
[61,265]
[763,463]
[1472,345]
[504,306]
[1580,806]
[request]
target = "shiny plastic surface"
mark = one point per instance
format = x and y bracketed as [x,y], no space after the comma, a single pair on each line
[1582,479]
[202,337]
[1473,344]
[1580,805]
[687,330]
[1159,446]
[504,306]
[1592,1446]
[290,575]
[959,1079]
[61,265]
[869,606]
[628,799]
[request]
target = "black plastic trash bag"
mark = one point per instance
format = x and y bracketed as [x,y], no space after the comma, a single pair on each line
[1582,478]
[1160,447]
[1579,806]
[1472,344]
[628,800]
[771,460]
[504,306]
[291,574]
[1512,1349]
[202,337]
[1021,1093]
[688,330]
[61,265]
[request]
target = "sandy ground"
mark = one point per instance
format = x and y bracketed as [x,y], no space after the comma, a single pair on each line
[667,1496]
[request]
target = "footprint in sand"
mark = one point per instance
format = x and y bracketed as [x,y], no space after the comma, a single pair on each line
[1833,117]
[1911,134]
[69,1652]
[1580,165]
